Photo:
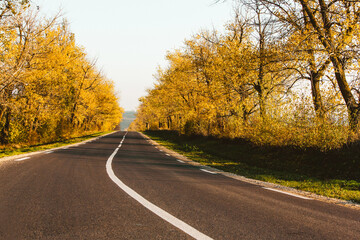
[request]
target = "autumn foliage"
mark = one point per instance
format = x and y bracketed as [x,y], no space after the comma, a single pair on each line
[49,89]
[286,74]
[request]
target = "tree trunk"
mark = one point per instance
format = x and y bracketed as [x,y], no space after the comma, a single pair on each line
[245,114]
[259,86]
[354,117]
[352,106]
[316,95]
[5,131]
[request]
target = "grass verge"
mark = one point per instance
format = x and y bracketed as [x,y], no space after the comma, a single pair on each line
[333,174]
[8,151]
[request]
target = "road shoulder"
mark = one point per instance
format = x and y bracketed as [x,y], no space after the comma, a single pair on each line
[186,160]
[10,158]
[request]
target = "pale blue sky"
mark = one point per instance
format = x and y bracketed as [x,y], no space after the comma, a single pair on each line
[131,37]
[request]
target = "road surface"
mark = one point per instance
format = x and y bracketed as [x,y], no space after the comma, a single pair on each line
[122,187]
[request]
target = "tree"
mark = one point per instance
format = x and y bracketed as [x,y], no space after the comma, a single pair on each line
[48,88]
[12,7]
[335,24]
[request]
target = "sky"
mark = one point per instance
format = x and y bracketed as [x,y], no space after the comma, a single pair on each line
[130,38]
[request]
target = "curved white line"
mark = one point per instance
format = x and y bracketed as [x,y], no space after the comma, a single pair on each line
[22,159]
[155,209]
[204,170]
[291,194]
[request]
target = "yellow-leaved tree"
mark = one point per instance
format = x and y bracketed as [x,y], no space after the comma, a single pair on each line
[48,88]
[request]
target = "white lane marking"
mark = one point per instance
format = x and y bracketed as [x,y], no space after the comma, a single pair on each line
[167,155]
[291,194]
[204,170]
[22,159]
[180,161]
[47,152]
[153,208]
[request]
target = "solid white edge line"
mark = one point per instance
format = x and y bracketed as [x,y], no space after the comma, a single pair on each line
[291,194]
[22,159]
[204,170]
[167,155]
[180,161]
[48,152]
[153,208]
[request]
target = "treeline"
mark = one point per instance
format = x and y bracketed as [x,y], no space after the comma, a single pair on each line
[281,73]
[49,89]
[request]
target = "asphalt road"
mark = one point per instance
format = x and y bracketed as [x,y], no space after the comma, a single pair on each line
[70,194]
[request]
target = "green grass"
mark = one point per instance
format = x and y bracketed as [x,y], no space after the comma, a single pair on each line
[333,173]
[15,150]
